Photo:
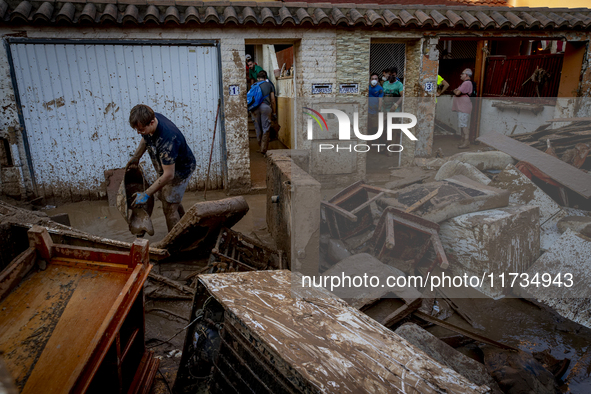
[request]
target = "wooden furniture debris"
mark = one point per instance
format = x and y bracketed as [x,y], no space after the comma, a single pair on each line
[567,142]
[348,213]
[417,232]
[198,229]
[72,318]
[386,304]
[234,251]
[251,335]
[21,220]
[518,107]
[454,196]
[563,173]
[463,331]
[423,200]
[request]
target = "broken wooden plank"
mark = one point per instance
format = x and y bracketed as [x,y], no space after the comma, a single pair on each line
[423,200]
[561,172]
[169,282]
[340,211]
[367,203]
[585,119]
[459,330]
[12,275]
[402,312]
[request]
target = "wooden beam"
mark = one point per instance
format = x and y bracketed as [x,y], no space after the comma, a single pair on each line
[459,330]
[365,204]
[422,201]
[11,276]
[563,173]
[340,211]
[586,119]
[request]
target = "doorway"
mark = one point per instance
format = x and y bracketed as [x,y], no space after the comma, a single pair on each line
[386,56]
[278,61]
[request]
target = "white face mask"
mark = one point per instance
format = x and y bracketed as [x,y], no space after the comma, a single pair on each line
[384,78]
[374,82]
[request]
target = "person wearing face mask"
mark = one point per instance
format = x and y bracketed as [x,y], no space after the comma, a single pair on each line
[393,92]
[385,75]
[375,94]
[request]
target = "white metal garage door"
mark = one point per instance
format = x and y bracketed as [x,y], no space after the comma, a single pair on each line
[76,100]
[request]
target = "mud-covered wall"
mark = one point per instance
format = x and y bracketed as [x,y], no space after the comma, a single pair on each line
[293,217]
[15,180]
[314,63]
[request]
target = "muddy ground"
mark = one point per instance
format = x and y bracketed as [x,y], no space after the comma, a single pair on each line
[515,322]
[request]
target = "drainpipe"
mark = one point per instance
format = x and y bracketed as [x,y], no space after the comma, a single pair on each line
[21,118]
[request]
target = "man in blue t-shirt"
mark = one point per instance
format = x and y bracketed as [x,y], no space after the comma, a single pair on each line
[172,158]
[375,94]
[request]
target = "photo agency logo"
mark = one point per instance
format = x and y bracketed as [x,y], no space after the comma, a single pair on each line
[393,120]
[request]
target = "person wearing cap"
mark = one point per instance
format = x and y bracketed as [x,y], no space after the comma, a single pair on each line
[463,106]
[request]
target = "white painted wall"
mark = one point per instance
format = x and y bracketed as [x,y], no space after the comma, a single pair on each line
[443,112]
[494,120]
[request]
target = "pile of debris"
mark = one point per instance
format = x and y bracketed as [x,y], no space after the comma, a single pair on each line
[483,214]
[571,143]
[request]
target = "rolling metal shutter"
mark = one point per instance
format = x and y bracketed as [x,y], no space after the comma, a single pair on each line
[76,99]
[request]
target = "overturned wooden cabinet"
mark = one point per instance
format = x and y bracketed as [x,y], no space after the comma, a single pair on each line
[72,319]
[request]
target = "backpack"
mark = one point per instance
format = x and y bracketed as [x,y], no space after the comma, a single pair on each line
[254,97]
[474,92]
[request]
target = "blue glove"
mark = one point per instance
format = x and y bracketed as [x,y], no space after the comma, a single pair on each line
[140,198]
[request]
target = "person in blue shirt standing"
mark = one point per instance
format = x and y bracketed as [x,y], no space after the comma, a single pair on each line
[172,158]
[375,94]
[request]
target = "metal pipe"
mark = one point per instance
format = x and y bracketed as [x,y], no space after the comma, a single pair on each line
[21,117]
[217,113]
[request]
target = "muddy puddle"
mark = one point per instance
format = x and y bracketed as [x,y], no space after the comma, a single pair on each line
[524,325]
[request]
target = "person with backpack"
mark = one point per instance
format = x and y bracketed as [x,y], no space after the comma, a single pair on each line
[462,104]
[262,105]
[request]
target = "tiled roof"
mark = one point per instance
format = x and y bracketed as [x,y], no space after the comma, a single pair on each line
[420,3]
[184,12]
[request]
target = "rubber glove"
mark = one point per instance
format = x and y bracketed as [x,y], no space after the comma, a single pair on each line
[140,198]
